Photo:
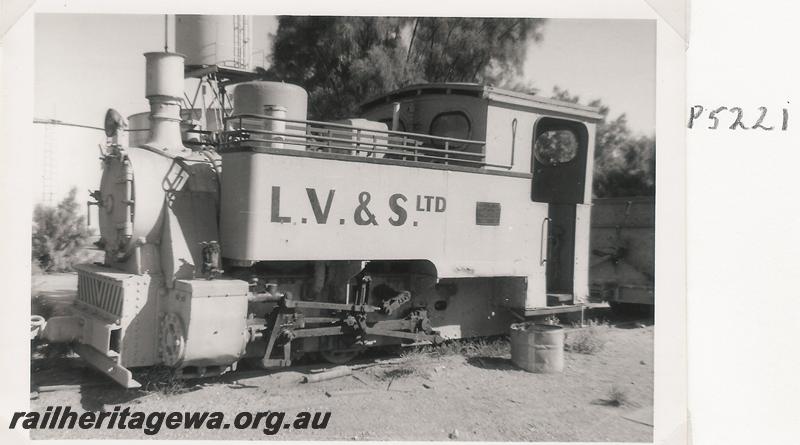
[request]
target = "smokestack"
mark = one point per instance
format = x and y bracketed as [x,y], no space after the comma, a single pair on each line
[164,90]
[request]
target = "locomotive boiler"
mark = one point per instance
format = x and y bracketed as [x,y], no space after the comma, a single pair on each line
[443,211]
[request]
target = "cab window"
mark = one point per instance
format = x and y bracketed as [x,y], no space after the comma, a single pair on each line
[556,146]
[451,124]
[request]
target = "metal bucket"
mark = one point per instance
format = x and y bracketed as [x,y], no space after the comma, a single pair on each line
[537,347]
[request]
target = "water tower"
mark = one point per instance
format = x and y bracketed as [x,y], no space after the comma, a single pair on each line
[221,40]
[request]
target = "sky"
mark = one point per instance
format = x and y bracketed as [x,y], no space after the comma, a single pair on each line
[611,60]
[85,64]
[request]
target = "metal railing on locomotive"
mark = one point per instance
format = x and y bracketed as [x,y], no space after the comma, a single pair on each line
[244,130]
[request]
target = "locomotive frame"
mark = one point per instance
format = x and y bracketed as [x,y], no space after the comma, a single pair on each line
[280,236]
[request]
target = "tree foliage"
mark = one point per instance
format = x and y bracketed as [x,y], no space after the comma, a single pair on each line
[59,235]
[459,49]
[341,61]
[624,163]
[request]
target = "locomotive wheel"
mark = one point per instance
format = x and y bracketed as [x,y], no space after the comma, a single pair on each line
[339,356]
[172,341]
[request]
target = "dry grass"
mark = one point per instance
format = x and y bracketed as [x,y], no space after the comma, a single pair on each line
[403,370]
[413,363]
[589,339]
[552,320]
[491,347]
[593,322]
[161,379]
[618,396]
[417,361]
[474,347]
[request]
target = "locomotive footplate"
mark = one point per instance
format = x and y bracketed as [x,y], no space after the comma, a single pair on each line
[287,322]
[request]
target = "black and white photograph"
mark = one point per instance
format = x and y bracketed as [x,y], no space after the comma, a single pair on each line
[329,227]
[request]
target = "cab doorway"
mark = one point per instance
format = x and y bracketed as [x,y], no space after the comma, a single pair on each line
[560,149]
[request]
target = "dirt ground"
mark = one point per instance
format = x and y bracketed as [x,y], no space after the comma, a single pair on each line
[467,392]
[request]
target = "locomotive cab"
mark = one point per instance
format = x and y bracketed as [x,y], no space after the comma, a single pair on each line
[550,141]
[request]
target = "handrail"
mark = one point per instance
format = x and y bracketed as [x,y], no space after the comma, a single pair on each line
[350,127]
[245,131]
[419,157]
[359,143]
[543,240]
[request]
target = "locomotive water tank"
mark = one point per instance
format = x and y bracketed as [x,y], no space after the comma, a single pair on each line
[252,97]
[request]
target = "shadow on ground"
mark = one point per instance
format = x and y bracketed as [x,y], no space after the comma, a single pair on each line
[494,363]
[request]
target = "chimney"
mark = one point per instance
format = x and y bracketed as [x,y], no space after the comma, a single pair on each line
[164,91]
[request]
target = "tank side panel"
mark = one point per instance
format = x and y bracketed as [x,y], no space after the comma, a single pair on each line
[302,208]
[238,222]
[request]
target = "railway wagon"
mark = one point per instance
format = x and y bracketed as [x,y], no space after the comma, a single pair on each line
[441,212]
[622,269]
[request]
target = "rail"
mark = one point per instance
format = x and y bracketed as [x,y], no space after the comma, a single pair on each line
[256,132]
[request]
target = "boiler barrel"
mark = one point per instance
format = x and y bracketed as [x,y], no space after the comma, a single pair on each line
[537,347]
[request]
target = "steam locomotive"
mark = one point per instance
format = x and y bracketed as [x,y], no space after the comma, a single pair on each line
[443,211]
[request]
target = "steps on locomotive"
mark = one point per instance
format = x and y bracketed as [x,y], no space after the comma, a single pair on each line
[559,298]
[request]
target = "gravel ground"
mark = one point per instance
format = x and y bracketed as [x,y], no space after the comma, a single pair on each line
[473,394]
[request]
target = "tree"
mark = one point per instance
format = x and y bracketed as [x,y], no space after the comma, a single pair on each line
[338,60]
[342,61]
[624,164]
[59,235]
[460,49]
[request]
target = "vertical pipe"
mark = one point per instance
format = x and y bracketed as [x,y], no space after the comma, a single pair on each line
[137,259]
[128,200]
[166,32]
[513,141]
[276,124]
[395,116]
[222,100]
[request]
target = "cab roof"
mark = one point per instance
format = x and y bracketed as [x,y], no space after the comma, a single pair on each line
[493,94]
